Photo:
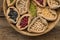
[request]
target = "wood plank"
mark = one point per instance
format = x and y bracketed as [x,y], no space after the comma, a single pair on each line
[8,33]
[1,13]
[1,8]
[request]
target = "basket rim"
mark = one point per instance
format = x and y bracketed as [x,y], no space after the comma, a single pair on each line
[28,34]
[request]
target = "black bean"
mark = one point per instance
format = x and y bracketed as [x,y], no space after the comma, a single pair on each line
[13,14]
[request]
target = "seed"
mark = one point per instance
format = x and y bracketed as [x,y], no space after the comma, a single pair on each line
[40,1]
[24,22]
[13,14]
[11,1]
[32,9]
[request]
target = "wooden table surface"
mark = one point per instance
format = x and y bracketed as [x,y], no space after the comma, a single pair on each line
[8,33]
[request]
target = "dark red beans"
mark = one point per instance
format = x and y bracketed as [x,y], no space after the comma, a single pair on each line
[13,14]
[24,22]
[40,1]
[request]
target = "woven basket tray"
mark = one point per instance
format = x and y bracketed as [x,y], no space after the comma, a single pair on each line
[50,26]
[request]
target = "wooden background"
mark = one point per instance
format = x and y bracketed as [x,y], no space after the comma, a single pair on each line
[8,33]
